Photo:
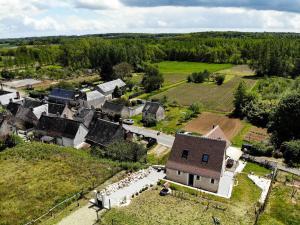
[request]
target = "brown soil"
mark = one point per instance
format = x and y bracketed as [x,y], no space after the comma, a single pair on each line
[256,134]
[205,122]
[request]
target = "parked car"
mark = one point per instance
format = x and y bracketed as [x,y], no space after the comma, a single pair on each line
[128,121]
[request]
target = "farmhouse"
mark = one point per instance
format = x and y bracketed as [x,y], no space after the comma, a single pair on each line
[104,132]
[153,110]
[38,107]
[108,88]
[62,96]
[198,161]
[61,131]
[92,99]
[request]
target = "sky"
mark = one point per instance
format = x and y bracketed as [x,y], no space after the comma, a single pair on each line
[27,18]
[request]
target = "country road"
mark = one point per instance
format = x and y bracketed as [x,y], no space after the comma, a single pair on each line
[163,139]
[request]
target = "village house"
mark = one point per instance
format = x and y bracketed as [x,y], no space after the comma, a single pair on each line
[198,161]
[6,128]
[104,132]
[92,99]
[61,131]
[23,118]
[7,97]
[108,88]
[154,110]
[60,110]
[37,106]
[84,116]
[62,96]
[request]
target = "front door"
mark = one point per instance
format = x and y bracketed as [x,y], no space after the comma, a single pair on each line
[191,180]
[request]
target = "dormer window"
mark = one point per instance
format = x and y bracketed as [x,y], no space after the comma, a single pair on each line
[205,158]
[185,154]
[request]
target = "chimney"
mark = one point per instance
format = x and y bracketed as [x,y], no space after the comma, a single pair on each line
[18,95]
[120,122]
[44,113]
[214,126]
[31,109]
[10,100]
[57,114]
[65,116]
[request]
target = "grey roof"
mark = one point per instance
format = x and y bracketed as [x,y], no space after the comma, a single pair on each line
[93,95]
[151,107]
[111,85]
[57,126]
[5,99]
[85,116]
[32,103]
[112,107]
[104,132]
[56,108]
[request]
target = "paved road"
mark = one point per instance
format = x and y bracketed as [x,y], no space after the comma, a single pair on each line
[163,139]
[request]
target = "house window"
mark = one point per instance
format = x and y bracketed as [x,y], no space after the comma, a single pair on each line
[212,181]
[205,158]
[178,172]
[185,154]
[198,177]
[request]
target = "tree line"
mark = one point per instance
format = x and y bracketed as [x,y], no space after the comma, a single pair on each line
[267,54]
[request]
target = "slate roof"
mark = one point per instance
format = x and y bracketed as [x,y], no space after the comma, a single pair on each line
[111,85]
[85,116]
[111,106]
[62,93]
[151,107]
[32,103]
[93,95]
[13,107]
[197,146]
[104,132]
[5,98]
[56,108]
[57,126]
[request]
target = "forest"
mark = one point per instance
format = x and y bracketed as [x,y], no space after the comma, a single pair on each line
[269,54]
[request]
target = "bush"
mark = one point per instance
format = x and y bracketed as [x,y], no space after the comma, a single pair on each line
[219,79]
[291,152]
[149,121]
[261,149]
[199,77]
[195,108]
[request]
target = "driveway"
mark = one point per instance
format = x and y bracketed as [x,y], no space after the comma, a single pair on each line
[163,139]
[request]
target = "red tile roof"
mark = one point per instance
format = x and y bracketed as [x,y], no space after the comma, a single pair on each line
[217,133]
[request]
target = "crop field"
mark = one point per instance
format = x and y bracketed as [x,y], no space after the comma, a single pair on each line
[256,134]
[34,177]
[150,208]
[174,71]
[213,97]
[205,122]
[283,206]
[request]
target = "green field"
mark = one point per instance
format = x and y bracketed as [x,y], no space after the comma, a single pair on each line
[212,96]
[35,176]
[150,208]
[174,71]
[282,208]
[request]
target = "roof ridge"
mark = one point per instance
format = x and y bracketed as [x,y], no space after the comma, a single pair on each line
[212,130]
[201,137]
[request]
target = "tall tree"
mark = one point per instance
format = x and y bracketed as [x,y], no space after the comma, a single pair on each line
[153,79]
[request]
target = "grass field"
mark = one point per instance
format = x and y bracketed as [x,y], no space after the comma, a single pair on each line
[174,71]
[282,208]
[150,208]
[206,120]
[35,176]
[213,97]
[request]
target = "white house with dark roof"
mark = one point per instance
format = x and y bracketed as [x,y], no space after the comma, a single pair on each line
[108,88]
[198,161]
[93,99]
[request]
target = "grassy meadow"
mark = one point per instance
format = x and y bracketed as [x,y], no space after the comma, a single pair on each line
[174,71]
[34,177]
[213,97]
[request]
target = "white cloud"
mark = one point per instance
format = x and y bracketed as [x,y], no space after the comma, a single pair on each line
[33,18]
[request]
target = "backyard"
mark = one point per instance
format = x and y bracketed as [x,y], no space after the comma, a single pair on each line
[191,209]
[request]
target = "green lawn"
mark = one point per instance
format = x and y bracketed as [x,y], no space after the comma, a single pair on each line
[34,177]
[281,208]
[170,124]
[213,97]
[174,71]
[256,169]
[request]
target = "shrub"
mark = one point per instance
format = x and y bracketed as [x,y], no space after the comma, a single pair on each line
[195,108]
[149,121]
[291,152]
[219,79]
[261,149]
